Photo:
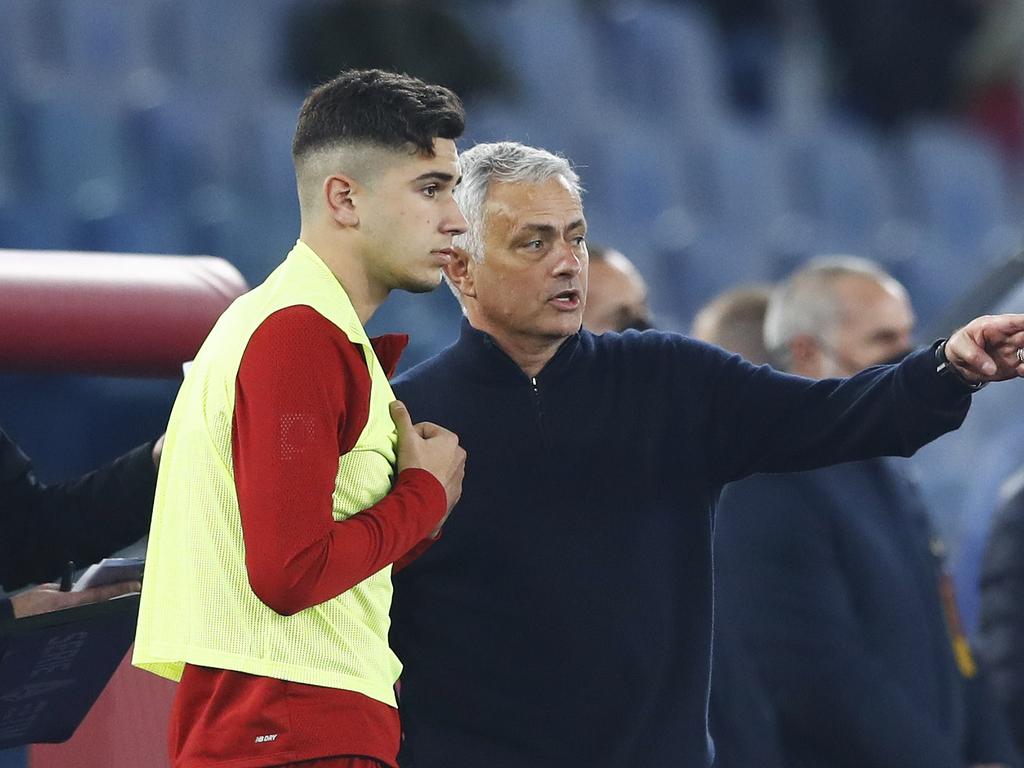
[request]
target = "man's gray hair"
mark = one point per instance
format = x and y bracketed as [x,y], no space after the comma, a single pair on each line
[806,305]
[504,161]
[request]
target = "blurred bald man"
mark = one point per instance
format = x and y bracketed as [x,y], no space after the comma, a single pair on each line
[616,295]
[734,320]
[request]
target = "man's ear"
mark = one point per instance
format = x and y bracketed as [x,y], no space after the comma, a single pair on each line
[338,197]
[460,270]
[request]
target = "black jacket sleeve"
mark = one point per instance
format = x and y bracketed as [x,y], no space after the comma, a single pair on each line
[761,420]
[1001,634]
[82,520]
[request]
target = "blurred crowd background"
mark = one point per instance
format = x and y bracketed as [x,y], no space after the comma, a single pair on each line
[720,142]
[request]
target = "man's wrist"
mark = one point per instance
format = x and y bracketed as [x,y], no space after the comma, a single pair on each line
[945,369]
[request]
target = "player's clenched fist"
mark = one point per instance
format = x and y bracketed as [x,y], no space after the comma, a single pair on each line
[433,448]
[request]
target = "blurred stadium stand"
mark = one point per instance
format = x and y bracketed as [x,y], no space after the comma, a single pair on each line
[145,127]
[163,126]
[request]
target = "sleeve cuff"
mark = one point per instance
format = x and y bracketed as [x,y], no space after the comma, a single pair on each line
[922,378]
[435,504]
[429,489]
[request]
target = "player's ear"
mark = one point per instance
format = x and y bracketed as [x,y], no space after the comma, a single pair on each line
[339,193]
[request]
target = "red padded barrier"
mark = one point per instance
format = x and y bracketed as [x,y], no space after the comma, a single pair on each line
[126,727]
[109,314]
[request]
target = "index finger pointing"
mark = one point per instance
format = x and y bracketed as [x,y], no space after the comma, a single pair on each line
[1002,325]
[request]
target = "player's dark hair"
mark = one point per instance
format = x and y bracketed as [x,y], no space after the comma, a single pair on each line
[377,107]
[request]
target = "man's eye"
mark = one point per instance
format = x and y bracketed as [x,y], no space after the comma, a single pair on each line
[431,191]
[534,245]
[579,240]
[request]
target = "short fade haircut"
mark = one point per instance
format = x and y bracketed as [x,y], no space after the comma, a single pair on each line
[384,109]
[806,305]
[504,161]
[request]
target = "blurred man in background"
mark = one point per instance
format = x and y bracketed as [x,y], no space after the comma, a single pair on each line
[734,320]
[833,578]
[617,293]
[1001,635]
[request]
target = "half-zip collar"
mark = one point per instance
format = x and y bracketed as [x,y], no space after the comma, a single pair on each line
[479,357]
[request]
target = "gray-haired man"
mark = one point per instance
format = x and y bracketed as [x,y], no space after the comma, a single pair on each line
[564,619]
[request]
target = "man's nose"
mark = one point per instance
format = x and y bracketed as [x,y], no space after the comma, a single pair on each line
[455,223]
[569,261]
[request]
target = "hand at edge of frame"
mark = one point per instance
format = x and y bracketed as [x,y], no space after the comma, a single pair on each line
[986,348]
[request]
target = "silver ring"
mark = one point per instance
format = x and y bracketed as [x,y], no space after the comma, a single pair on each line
[1020,354]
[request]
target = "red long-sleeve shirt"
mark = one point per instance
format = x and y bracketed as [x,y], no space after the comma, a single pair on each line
[302,399]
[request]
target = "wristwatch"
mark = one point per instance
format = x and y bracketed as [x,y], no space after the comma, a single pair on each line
[947,370]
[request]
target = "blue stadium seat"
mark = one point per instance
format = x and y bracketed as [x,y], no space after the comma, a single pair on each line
[33,222]
[957,184]
[90,42]
[549,48]
[736,177]
[664,62]
[128,230]
[258,237]
[842,181]
[700,264]
[509,122]
[920,259]
[104,39]
[633,179]
[160,140]
[11,53]
[31,43]
[231,46]
[177,141]
[8,147]
[67,139]
[261,157]
[207,220]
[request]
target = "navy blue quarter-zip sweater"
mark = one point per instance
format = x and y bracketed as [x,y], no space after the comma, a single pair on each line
[564,618]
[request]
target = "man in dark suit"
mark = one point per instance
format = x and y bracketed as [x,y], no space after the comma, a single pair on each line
[1001,634]
[43,526]
[833,578]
